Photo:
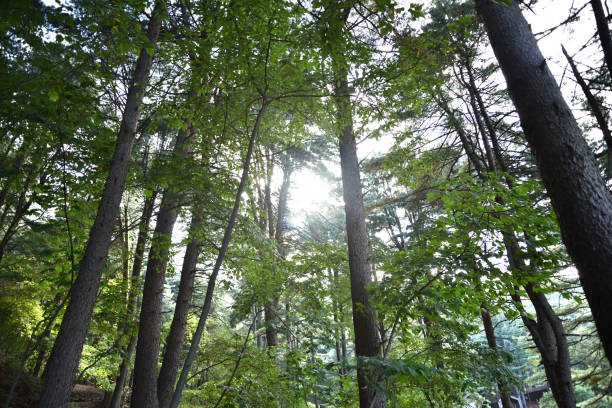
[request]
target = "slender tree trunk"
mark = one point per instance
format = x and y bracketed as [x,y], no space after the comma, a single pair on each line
[176,336]
[141,241]
[491,341]
[594,105]
[367,341]
[147,348]
[64,359]
[195,342]
[463,137]
[271,308]
[579,196]
[557,366]
[604,33]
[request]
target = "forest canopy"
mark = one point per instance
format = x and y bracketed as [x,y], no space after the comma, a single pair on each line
[305,203]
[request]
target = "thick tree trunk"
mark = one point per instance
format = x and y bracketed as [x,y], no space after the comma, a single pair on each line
[367,341]
[64,359]
[491,341]
[176,336]
[147,348]
[549,337]
[579,196]
[604,32]
[195,342]
[270,310]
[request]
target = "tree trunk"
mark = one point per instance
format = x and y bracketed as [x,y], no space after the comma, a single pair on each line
[143,233]
[557,366]
[64,358]
[222,250]
[604,33]
[594,106]
[144,393]
[552,344]
[176,336]
[579,196]
[491,341]
[367,341]
[271,308]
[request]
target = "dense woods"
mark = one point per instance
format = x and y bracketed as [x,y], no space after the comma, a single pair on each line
[310,203]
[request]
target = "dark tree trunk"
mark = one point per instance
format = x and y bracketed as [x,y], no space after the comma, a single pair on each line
[270,310]
[367,341]
[176,336]
[604,33]
[552,344]
[557,366]
[195,342]
[491,341]
[64,359]
[579,196]
[141,241]
[144,393]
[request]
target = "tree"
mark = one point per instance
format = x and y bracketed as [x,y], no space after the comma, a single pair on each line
[62,364]
[579,196]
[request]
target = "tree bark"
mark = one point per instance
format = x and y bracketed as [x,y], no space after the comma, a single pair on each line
[144,393]
[578,194]
[141,240]
[367,341]
[195,342]
[176,336]
[64,358]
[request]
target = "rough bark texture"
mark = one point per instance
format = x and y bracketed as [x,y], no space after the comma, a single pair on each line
[64,359]
[581,201]
[141,240]
[604,32]
[227,236]
[144,393]
[549,336]
[367,341]
[176,336]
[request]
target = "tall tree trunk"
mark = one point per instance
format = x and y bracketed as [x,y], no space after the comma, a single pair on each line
[176,336]
[579,196]
[604,33]
[195,342]
[271,308]
[557,364]
[491,341]
[367,341]
[141,241]
[144,393]
[64,358]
